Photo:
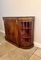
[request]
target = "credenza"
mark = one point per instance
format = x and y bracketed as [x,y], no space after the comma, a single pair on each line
[20,31]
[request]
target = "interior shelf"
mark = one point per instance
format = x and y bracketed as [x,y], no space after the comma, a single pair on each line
[27,28]
[27,37]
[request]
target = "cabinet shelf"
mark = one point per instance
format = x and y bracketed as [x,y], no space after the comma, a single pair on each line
[27,37]
[27,28]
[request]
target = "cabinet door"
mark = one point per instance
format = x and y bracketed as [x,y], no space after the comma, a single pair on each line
[11,30]
[25,32]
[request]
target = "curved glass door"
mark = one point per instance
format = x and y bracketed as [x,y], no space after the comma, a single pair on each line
[25,32]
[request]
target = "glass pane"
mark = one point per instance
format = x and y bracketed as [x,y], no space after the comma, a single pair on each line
[30,24]
[25,33]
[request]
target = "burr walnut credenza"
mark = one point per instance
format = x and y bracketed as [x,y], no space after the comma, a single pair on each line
[20,30]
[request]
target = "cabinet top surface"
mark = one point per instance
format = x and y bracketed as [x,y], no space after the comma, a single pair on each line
[28,18]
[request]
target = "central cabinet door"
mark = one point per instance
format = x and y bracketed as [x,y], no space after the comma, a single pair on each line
[25,32]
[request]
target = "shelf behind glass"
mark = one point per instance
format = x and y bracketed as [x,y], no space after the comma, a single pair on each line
[26,28]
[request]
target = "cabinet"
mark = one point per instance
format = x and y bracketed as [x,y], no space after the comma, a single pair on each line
[20,31]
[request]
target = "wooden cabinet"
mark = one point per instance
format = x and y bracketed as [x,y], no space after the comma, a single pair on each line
[20,30]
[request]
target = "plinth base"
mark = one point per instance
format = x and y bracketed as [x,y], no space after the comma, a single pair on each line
[23,47]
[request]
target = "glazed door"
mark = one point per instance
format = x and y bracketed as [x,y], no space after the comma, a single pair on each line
[25,32]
